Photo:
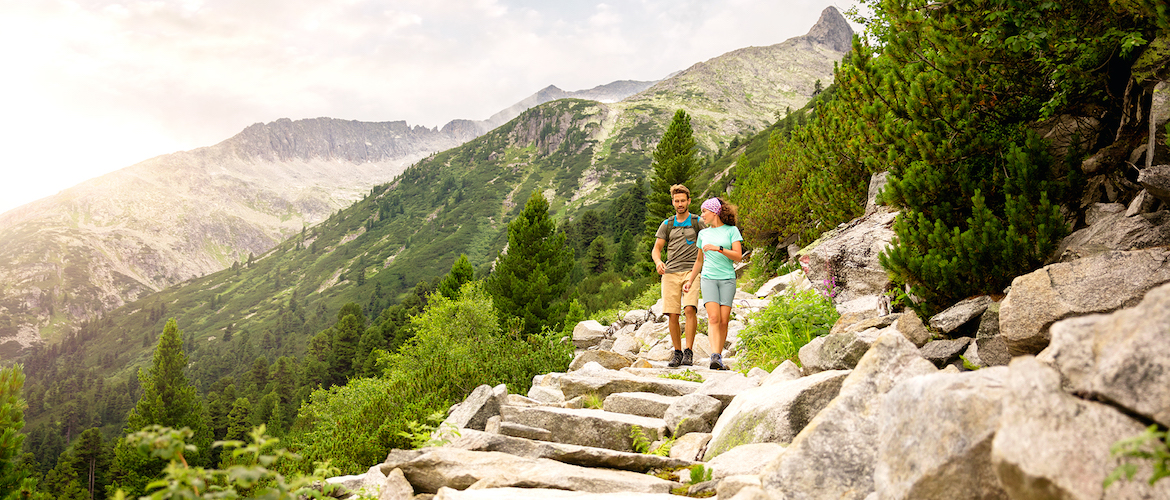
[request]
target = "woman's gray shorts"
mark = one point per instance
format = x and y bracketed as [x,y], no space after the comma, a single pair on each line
[721,291]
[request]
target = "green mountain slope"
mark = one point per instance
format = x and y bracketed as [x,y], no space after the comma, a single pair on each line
[580,154]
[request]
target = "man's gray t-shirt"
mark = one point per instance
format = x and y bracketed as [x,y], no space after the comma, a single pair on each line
[681,250]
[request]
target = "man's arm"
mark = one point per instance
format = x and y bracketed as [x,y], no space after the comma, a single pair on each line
[657,255]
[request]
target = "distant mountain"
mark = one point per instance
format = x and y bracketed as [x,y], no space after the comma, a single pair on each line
[611,92]
[121,237]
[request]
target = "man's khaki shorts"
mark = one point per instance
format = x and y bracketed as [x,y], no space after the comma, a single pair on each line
[673,297]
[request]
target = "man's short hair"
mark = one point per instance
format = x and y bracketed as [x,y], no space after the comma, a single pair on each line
[679,189]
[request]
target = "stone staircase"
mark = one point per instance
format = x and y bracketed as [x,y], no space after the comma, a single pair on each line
[528,448]
[882,409]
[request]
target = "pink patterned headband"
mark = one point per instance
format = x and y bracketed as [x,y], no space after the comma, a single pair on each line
[713,205]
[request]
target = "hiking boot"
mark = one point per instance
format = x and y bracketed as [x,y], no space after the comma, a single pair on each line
[676,360]
[717,362]
[688,357]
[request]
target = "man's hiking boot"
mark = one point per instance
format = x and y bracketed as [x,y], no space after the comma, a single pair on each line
[676,360]
[688,357]
[717,362]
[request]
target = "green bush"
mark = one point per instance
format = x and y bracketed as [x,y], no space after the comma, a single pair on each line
[251,477]
[778,332]
[457,346]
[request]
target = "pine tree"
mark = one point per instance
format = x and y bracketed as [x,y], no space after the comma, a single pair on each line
[629,210]
[674,163]
[11,423]
[530,281]
[351,324]
[461,272]
[92,461]
[168,399]
[597,258]
[624,256]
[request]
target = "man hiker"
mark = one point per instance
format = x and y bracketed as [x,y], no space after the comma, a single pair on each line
[678,234]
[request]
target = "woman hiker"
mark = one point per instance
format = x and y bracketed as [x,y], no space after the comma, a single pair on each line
[722,245]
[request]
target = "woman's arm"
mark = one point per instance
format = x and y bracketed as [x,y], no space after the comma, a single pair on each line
[735,253]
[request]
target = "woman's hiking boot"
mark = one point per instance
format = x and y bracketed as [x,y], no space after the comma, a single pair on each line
[717,362]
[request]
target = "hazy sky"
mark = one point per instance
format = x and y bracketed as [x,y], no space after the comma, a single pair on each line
[92,86]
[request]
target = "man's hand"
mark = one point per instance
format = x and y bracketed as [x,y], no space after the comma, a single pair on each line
[661,267]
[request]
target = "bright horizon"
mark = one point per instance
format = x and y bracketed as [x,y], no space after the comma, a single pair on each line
[96,86]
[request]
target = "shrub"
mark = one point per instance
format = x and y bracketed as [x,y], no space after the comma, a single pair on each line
[252,477]
[778,332]
[457,346]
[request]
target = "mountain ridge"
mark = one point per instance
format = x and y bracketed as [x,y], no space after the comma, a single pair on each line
[222,204]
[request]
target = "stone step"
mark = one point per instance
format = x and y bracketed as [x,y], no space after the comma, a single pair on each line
[544,493]
[645,404]
[447,467]
[587,427]
[585,456]
[602,383]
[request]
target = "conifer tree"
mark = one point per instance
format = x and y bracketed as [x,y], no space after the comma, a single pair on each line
[597,258]
[92,461]
[168,399]
[11,422]
[351,324]
[530,281]
[461,272]
[674,163]
[629,210]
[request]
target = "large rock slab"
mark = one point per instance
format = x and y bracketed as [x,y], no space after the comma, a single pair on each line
[1123,357]
[786,372]
[475,410]
[588,334]
[692,413]
[842,350]
[1117,232]
[834,456]
[934,437]
[945,352]
[608,359]
[542,494]
[810,356]
[1053,445]
[843,263]
[690,446]
[646,404]
[609,382]
[992,349]
[960,314]
[743,460]
[585,456]
[650,333]
[911,327]
[625,344]
[1156,180]
[1098,284]
[773,413]
[460,469]
[586,427]
[725,385]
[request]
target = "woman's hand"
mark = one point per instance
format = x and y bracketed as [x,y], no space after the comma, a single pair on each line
[687,286]
[711,248]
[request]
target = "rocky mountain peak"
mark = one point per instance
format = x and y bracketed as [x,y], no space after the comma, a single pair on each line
[832,30]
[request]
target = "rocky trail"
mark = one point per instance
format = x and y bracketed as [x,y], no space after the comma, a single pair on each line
[1014,396]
